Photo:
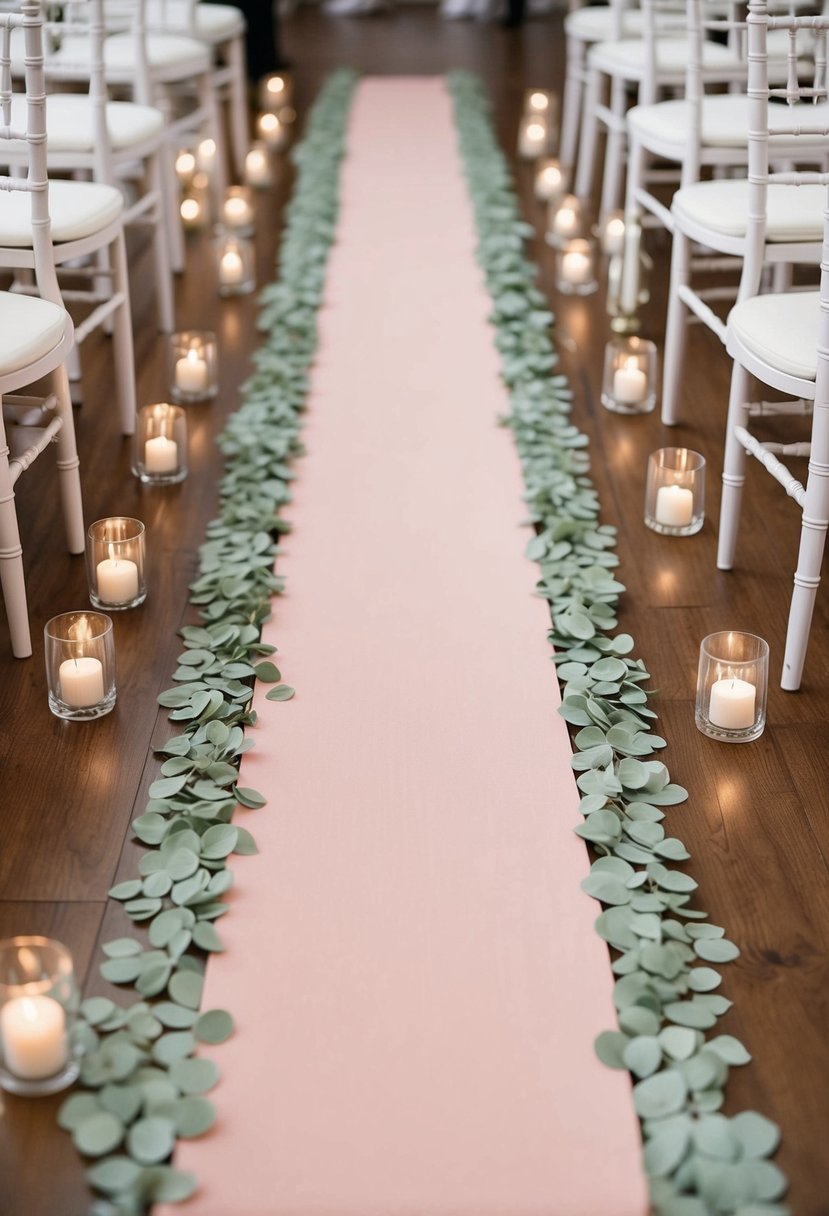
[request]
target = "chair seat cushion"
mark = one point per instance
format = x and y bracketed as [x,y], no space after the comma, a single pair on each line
[724,121]
[781,330]
[629,58]
[29,329]
[174,54]
[77,209]
[795,213]
[69,125]
[594,23]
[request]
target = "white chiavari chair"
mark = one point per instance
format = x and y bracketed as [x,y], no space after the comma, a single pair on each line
[782,338]
[35,337]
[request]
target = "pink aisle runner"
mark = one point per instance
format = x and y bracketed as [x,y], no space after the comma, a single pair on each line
[411,964]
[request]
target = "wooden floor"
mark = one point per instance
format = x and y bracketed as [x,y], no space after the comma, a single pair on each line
[757,822]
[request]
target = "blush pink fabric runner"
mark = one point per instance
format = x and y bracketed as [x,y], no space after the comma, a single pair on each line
[411,963]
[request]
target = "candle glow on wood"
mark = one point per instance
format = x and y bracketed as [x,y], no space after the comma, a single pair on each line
[33,1034]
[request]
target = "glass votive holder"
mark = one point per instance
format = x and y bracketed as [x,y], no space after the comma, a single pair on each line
[576,267]
[271,129]
[612,233]
[566,219]
[238,214]
[115,563]
[275,90]
[160,444]
[80,665]
[236,266]
[551,180]
[38,1007]
[533,136]
[675,492]
[185,166]
[629,378]
[193,211]
[193,365]
[206,153]
[543,102]
[732,686]
[258,166]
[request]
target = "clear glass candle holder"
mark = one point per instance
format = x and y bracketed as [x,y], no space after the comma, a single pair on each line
[206,153]
[542,102]
[551,180]
[258,172]
[272,130]
[675,492]
[115,563]
[235,263]
[566,219]
[534,136]
[576,267]
[193,366]
[160,444]
[612,233]
[185,166]
[732,686]
[80,665]
[238,213]
[629,378]
[39,1053]
[276,90]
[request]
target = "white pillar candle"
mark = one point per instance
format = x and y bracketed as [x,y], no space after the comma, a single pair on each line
[532,138]
[565,221]
[81,681]
[257,169]
[630,387]
[732,704]
[613,237]
[237,212]
[33,1032]
[231,267]
[576,267]
[191,373]
[674,504]
[160,455]
[117,580]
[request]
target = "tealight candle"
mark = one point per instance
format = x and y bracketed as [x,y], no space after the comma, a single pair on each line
[206,155]
[185,166]
[533,137]
[630,384]
[81,682]
[192,212]
[117,579]
[271,130]
[674,505]
[191,373]
[231,267]
[613,235]
[237,210]
[565,220]
[732,704]
[33,1034]
[275,90]
[538,101]
[257,167]
[160,455]
[577,266]
[550,181]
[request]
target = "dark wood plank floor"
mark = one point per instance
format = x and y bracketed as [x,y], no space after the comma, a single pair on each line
[757,823]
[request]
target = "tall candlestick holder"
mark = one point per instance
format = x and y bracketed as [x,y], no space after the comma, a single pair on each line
[38,1008]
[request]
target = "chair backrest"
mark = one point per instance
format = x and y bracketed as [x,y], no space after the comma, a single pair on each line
[802,124]
[29,20]
[676,18]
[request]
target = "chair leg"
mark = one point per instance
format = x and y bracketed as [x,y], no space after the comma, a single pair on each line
[734,464]
[810,556]
[589,133]
[571,111]
[235,52]
[164,297]
[11,560]
[676,330]
[67,461]
[614,152]
[122,347]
